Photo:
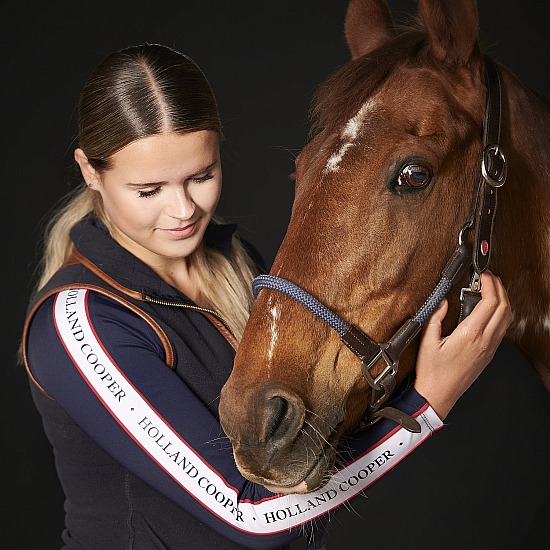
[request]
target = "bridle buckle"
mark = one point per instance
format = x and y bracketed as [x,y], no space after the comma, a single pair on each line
[493,165]
[390,370]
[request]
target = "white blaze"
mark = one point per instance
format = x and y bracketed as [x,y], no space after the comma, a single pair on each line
[273,332]
[349,135]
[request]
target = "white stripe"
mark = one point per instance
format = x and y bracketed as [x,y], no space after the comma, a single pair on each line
[349,134]
[348,482]
[273,332]
[166,447]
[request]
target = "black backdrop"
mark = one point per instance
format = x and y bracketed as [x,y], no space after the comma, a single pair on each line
[482,482]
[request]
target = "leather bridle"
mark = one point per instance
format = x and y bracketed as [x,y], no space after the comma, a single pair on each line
[477,256]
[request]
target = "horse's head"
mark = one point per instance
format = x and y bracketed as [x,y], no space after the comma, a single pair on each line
[382,190]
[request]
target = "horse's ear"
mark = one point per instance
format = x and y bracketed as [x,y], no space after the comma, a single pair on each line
[368,25]
[452,27]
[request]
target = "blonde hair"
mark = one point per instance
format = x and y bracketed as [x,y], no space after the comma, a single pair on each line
[134,93]
[226,284]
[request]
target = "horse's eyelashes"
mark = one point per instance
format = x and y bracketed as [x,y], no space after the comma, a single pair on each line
[413,176]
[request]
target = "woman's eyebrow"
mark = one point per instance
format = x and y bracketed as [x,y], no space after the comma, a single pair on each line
[206,168]
[150,183]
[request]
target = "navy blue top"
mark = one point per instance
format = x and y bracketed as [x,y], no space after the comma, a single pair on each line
[144,462]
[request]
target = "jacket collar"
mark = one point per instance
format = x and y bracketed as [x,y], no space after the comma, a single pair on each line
[92,239]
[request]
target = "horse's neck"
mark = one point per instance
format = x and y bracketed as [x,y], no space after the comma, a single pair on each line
[522,230]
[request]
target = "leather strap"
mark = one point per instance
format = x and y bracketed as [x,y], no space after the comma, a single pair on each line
[401,418]
[468,300]
[484,227]
[493,169]
[360,344]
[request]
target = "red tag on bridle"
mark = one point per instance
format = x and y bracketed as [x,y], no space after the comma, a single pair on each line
[484,247]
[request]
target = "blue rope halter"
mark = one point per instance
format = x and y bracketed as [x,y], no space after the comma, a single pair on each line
[369,351]
[303,297]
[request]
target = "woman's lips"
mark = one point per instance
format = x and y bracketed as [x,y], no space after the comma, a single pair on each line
[181,232]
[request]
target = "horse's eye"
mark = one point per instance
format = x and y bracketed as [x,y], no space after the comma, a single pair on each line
[415,176]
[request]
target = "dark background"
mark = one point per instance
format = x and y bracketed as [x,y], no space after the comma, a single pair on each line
[484,481]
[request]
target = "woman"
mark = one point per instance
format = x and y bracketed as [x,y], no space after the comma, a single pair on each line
[142,298]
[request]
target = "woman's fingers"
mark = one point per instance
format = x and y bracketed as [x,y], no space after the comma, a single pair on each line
[489,320]
[446,367]
[502,317]
[432,330]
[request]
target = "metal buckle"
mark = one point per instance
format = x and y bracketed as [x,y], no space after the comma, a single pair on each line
[390,370]
[475,285]
[475,282]
[493,165]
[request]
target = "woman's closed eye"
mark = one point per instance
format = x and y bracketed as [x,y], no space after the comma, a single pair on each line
[145,193]
[202,179]
[148,193]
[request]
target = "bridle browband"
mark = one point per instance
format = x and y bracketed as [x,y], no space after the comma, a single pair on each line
[493,176]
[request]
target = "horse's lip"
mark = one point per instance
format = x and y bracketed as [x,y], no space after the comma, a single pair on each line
[317,475]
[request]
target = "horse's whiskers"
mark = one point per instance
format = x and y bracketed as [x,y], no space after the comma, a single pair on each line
[323,441]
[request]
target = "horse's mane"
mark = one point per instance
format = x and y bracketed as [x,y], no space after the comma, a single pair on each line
[361,77]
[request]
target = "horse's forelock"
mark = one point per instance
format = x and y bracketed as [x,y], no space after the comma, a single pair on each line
[359,79]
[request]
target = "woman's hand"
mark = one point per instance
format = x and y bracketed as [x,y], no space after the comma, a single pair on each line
[447,367]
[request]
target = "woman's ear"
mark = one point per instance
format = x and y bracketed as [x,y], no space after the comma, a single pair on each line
[89,173]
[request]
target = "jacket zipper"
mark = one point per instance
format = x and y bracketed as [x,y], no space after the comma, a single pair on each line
[148,298]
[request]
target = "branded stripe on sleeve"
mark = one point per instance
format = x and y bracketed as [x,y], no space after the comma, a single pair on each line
[185,466]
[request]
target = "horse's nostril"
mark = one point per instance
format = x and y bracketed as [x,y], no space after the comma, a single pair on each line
[277,408]
[282,420]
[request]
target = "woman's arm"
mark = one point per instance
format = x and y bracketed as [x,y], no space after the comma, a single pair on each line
[104,365]
[446,368]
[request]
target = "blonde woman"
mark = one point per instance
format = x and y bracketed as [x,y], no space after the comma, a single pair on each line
[142,300]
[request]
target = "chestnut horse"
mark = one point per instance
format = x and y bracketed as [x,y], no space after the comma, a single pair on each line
[383,192]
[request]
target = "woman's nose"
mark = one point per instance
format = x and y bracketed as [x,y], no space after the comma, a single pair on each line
[180,204]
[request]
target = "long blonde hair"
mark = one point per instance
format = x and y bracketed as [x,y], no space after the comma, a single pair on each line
[134,93]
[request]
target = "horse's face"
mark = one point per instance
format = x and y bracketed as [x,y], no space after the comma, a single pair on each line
[382,191]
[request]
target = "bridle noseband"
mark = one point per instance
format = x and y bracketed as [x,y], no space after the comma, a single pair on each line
[493,176]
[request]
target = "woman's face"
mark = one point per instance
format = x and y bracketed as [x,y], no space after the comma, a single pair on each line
[160,194]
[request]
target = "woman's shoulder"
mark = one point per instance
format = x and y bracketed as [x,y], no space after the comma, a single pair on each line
[72,307]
